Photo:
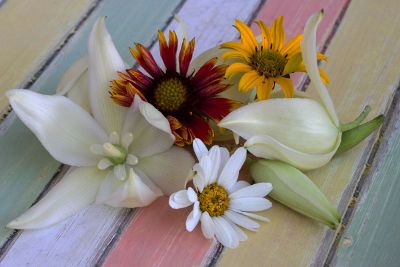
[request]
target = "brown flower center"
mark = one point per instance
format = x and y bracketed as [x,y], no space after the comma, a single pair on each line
[214,199]
[169,94]
[269,63]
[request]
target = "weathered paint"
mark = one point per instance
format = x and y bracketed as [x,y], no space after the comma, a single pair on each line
[363,70]
[25,166]
[373,237]
[29,33]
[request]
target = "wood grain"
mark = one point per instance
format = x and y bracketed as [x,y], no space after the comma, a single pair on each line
[27,167]
[363,70]
[157,236]
[373,236]
[30,31]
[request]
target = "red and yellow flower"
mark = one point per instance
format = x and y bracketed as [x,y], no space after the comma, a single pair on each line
[187,97]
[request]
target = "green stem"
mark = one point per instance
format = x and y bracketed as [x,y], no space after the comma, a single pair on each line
[354,136]
[348,126]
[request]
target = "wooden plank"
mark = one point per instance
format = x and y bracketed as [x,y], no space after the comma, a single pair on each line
[29,32]
[27,167]
[373,237]
[157,235]
[363,70]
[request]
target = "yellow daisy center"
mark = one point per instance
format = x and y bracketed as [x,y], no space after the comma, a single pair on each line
[169,94]
[269,63]
[214,199]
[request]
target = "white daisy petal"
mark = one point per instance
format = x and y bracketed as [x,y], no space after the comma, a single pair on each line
[191,194]
[207,225]
[238,185]
[231,169]
[199,148]
[250,204]
[215,158]
[225,233]
[241,220]
[199,182]
[253,216]
[224,154]
[239,232]
[179,200]
[206,166]
[193,218]
[255,190]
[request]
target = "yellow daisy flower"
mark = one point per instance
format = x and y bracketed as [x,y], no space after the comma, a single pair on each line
[265,63]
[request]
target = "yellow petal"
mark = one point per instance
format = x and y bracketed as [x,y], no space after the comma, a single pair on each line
[294,64]
[286,85]
[277,34]
[321,56]
[250,80]
[236,68]
[324,76]
[234,55]
[236,46]
[247,36]
[264,89]
[265,35]
[293,46]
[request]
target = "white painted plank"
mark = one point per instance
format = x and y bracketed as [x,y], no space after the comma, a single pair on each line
[80,240]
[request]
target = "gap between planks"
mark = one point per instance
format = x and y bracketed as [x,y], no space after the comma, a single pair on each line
[367,172]
[35,74]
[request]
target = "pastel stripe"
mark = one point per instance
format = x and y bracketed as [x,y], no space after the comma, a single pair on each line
[127,251]
[358,78]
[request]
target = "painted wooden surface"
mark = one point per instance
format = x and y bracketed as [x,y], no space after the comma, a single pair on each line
[26,166]
[29,33]
[156,235]
[373,236]
[168,243]
[363,70]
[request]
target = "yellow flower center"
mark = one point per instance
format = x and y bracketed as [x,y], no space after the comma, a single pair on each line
[169,94]
[269,63]
[214,199]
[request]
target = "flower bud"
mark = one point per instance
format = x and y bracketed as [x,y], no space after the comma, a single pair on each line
[295,190]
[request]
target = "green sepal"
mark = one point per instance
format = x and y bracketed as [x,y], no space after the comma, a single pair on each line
[295,190]
[355,135]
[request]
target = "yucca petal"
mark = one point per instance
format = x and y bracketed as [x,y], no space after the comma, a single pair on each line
[104,63]
[205,56]
[71,75]
[136,191]
[150,129]
[288,121]
[163,171]
[64,128]
[76,190]
[269,148]
[309,50]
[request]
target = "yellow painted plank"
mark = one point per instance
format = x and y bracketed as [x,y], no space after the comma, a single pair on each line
[30,31]
[363,66]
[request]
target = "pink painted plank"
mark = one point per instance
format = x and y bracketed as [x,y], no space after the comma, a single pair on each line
[296,14]
[157,236]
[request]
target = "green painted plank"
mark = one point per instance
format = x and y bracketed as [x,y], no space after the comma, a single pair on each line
[373,236]
[25,166]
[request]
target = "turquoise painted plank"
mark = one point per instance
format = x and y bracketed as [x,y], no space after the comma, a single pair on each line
[373,236]
[25,166]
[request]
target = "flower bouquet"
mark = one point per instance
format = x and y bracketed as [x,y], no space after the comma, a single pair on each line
[134,133]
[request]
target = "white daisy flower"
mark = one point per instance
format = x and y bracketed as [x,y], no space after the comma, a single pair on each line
[220,202]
